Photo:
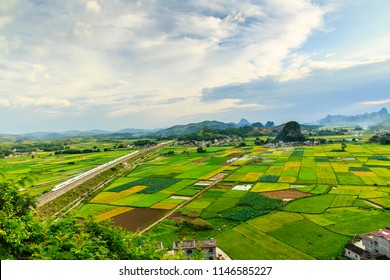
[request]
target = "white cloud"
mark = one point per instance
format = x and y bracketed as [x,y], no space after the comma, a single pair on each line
[4,20]
[44,101]
[107,55]
[93,6]
[5,103]
[38,71]
[376,102]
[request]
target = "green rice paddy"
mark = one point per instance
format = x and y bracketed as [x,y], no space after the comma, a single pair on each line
[349,193]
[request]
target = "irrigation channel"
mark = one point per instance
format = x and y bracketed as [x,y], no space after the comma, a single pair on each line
[81,178]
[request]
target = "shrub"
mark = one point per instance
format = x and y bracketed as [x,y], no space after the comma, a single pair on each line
[242,214]
[258,201]
[200,224]
[190,212]
[269,178]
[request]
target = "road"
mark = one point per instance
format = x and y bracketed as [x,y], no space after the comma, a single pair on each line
[54,194]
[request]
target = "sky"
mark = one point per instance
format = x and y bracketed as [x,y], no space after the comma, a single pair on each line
[81,64]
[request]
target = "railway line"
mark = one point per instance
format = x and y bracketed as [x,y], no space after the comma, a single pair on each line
[83,177]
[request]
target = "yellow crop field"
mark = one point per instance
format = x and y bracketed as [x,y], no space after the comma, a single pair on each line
[287,179]
[252,176]
[211,174]
[293,164]
[163,205]
[112,213]
[364,174]
[109,197]
[266,187]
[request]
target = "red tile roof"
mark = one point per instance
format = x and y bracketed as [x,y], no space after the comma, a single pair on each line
[385,233]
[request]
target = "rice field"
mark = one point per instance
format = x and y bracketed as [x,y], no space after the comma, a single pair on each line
[343,193]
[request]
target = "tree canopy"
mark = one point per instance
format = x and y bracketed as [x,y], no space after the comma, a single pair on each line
[24,236]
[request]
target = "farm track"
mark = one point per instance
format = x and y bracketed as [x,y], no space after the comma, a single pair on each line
[54,194]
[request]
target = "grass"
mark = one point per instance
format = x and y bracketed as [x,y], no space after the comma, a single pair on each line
[343,214]
[271,245]
[362,225]
[222,204]
[383,201]
[245,249]
[266,187]
[93,209]
[274,221]
[311,239]
[343,201]
[149,200]
[313,204]
[112,213]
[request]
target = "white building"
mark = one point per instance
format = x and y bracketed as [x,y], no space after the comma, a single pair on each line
[378,242]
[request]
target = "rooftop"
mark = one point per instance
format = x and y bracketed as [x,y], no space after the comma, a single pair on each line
[385,233]
[186,244]
[352,247]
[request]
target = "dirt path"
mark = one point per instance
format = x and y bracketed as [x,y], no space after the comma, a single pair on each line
[373,204]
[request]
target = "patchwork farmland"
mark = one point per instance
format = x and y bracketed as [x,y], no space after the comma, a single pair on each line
[282,203]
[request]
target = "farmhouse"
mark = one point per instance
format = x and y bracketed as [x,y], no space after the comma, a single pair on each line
[355,252]
[209,247]
[378,242]
[374,246]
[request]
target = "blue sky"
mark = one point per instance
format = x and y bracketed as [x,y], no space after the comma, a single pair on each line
[81,64]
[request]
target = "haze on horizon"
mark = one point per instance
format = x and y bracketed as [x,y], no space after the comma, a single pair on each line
[82,64]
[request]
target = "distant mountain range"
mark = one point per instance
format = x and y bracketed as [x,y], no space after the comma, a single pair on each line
[364,120]
[375,120]
[174,130]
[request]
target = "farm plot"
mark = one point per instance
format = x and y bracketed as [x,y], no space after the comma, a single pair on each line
[137,218]
[274,221]
[112,213]
[311,239]
[343,214]
[93,209]
[382,201]
[239,250]
[266,187]
[362,225]
[222,204]
[271,245]
[48,170]
[314,204]
[249,173]
[343,201]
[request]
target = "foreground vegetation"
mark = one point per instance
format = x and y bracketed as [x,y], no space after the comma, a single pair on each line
[24,236]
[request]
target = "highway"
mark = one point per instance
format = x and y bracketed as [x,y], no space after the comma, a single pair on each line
[81,178]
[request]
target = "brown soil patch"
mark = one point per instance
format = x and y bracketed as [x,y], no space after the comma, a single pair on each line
[137,218]
[219,177]
[203,183]
[286,194]
[201,159]
[236,155]
[223,186]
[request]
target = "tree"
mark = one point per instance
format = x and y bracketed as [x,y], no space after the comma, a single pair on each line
[343,145]
[200,150]
[19,229]
[24,236]
[242,144]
